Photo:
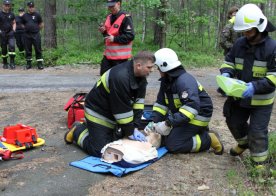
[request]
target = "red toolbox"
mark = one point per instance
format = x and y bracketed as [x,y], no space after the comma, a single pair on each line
[20,135]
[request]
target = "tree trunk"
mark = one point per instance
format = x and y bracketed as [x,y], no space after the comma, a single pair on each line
[50,36]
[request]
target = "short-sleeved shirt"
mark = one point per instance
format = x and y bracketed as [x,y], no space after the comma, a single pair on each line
[32,22]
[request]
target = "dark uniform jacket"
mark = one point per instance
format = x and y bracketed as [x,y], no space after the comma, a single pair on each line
[31,22]
[185,99]
[6,21]
[254,64]
[19,24]
[117,98]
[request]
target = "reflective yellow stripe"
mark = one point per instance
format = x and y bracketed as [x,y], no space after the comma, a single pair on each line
[272,78]
[104,80]
[99,121]
[198,143]
[187,113]
[177,103]
[259,159]
[160,110]
[138,106]
[200,87]
[166,101]
[262,102]
[259,71]
[239,66]
[125,120]
[248,20]
[224,65]
[82,136]
[199,123]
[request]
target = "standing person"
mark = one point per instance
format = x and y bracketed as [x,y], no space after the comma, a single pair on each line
[116,100]
[228,36]
[7,27]
[33,23]
[183,109]
[118,33]
[20,32]
[252,60]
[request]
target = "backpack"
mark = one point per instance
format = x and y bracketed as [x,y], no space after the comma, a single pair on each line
[75,109]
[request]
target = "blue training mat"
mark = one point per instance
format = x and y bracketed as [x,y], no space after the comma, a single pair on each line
[94,164]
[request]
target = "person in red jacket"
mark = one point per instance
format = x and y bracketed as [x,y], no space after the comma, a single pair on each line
[118,35]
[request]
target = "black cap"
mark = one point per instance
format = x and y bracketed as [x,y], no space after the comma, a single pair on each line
[21,9]
[112,2]
[30,4]
[6,2]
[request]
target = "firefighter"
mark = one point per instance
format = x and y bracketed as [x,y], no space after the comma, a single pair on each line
[118,34]
[33,23]
[7,27]
[20,32]
[252,60]
[228,36]
[116,101]
[183,109]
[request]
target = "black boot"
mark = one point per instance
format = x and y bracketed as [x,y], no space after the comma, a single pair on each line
[29,65]
[12,64]
[40,65]
[5,63]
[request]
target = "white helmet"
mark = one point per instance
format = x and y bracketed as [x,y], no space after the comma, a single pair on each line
[248,17]
[166,59]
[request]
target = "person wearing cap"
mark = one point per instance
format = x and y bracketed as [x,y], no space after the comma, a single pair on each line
[116,101]
[252,59]
[183,109]
[33,23]
[118,35]
[228,36]
[20,31]
[7,27]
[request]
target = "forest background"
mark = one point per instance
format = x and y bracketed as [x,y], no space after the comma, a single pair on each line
[190,27]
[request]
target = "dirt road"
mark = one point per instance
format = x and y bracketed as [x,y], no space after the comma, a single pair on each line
[36,98]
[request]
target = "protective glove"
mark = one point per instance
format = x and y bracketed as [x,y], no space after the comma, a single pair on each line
[162,128]
[149,127]
[138,136]
[249,91]
[226,75]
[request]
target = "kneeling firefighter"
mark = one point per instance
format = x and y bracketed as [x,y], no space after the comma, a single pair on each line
[183,109]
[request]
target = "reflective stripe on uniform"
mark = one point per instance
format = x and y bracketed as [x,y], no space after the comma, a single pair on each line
[160,108]
[104,80]
[265,99]
[259,157]
[196,143]
[139,104]
[124,118]
[200,121]
[272,77]
[82,136]
[176,101]
[243,140]
[188,111]
[98,118]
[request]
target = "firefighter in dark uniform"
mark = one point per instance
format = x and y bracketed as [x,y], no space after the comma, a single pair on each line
[7,27]
[33,24]
[20,32]
[183,109]
[252,60]
[116,100]
[118,33]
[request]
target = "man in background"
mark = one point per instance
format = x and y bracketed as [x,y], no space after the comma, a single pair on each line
[20,31]
[118,34]
[33,23]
